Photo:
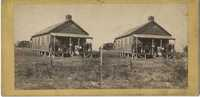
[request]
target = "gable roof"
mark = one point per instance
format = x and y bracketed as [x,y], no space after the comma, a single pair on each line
[66,27]
[150,28]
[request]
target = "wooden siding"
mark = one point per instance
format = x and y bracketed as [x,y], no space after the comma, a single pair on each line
[41,42]
[124,43]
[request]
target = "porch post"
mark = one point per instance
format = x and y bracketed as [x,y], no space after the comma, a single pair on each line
[78,41]
[54,43]
[50,45]
[136,51]
[161,43]
[70,45]
[152,46]
[174,51]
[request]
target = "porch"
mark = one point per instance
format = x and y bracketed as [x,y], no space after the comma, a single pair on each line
[154,46]
[151,46]
[68,44]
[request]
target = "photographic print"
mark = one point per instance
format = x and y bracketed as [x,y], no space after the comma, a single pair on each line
[100,48]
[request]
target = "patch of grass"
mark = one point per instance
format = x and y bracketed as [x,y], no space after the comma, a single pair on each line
[36,72]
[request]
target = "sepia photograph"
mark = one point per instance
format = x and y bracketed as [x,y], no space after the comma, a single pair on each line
[109,46]
[100,47]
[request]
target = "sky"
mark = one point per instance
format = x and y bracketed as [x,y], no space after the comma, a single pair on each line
[103,22]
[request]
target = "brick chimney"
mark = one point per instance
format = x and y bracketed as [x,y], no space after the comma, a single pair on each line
[151,18]
[68,17]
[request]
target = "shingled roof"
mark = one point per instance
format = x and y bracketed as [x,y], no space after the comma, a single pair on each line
[66,27]
[149,28]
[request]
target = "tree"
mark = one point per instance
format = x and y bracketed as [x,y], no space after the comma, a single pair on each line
[23,43]
[108,46]
[185,50]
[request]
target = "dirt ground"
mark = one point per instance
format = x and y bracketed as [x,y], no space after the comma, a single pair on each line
[36,72]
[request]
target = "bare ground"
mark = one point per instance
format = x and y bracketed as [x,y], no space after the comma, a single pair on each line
[36,72]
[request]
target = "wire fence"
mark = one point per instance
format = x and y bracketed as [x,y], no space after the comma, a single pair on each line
[109,70]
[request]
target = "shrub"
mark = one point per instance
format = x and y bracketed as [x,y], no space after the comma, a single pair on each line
[180,73]
[179,55]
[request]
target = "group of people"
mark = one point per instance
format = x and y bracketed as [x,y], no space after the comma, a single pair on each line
[71,50]
[156,51]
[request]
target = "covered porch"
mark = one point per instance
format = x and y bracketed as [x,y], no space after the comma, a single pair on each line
[68,44]
[153,46]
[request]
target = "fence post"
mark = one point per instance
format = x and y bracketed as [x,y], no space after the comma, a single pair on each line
[131,65]
[100,66]
[51,57]
[174,54]
[167,57]
[132,55]
[113,71]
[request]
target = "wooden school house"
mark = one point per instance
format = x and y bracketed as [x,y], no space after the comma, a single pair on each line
[149,39]
[66,38]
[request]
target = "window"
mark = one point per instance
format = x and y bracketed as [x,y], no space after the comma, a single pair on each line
[121,43]
[42,37]
[43,40]
[38,44]
[47,39]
